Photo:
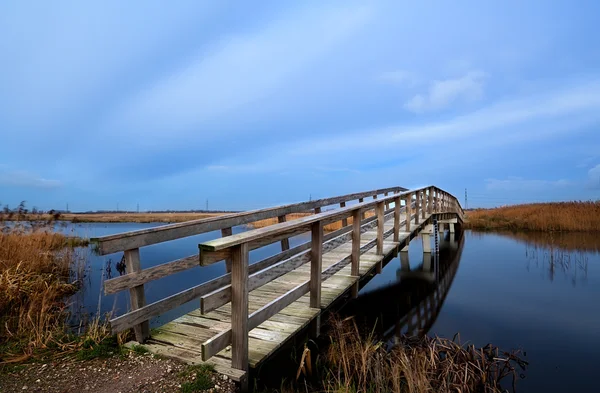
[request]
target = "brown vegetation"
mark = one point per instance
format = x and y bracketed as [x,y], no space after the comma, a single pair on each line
[355,363]
[560,216]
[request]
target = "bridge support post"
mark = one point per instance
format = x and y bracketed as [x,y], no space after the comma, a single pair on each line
[316,259]
[404,263]
[427,261]
[345,220]
[417,206]
[426,238]
[355,256]
[408,211]
[239,307]
[397,219]
[137,296]
[423,204]
[285,243]
[451,227]
[380,230]
[430,202]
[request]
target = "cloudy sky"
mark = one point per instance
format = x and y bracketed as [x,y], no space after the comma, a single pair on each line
[250,104]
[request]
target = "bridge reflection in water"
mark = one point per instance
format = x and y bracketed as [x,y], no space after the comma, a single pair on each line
[410,306]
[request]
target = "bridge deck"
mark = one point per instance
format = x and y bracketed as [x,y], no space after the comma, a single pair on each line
[183,337]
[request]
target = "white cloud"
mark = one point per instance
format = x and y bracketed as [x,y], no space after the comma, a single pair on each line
[443,93]
[514,183]
[26,179]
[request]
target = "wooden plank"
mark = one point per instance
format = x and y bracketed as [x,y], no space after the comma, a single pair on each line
[134,279]
[345,220]
[222,340]
[397,219]
[135,317]
[316,254]
[137,296]
[380,227]
[417,205]
[285,243]
[224,233]
[408,211]
[208,258]
[355,243]
[239,307]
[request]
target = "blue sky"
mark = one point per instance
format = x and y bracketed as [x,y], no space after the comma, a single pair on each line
[250,104]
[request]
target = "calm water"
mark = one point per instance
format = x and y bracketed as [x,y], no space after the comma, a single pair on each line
[537,293]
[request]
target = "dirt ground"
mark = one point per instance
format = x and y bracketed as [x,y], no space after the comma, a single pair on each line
[131,373]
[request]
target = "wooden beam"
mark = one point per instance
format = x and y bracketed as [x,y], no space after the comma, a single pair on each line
[345,220]
[355,256]
[224,233]
[430,204]
[239,307]
[423,203]
[380,227]
[417,204]
[316,255]
[397,219]
[137,297]
[134,279]
[408,211]
[285,243]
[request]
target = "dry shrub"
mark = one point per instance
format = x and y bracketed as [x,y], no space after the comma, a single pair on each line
[362,364]
[35,271]
[560,216]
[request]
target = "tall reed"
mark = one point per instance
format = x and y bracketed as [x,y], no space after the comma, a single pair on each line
[559,216]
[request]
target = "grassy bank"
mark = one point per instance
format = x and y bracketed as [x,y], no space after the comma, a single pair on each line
[547,217]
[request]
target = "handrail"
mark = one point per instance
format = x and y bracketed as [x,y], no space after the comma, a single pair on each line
[145,237]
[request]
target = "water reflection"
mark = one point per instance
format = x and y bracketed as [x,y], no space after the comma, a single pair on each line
[558,253]
[411,304]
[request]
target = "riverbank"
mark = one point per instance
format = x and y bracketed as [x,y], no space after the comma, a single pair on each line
[545,217]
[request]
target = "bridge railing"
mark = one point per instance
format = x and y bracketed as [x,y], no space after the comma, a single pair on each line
[131,242]
[417,203]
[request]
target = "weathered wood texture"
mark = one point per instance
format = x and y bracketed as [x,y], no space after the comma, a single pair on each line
[137,296]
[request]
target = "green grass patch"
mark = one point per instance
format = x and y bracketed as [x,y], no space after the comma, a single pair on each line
[140,349]
[202,380]
[104,349]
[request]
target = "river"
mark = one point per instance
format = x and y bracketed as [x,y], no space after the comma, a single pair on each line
[535,292]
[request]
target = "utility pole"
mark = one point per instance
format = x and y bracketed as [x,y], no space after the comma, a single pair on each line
[466,200]
[138,207]
[309,197]
[67,207]
[206,204]
[117,207]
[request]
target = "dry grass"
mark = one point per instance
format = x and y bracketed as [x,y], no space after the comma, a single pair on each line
[294,216]
[35,272]
[561,216]
[356,363]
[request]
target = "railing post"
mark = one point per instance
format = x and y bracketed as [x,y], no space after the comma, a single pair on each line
[224,233]
[239,307]
[430,204]
[345,220]
[423,203]
[316,255]
[408,211]
[317,210]
[285,243]
[137,296]
[380,230]
[397,219]
[417,203]
[387,203]
[361,200]
[355,256]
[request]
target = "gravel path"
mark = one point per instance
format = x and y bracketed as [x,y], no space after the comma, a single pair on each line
[131,373]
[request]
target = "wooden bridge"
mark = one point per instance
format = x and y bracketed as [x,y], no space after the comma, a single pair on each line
[252,310]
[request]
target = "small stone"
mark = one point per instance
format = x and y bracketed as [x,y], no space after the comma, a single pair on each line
[224,377]
[25,387]
[38,381]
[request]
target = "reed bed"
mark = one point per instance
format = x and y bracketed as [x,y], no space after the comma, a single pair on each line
[334,226]
[547,217]
[357,363]
[39,271]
